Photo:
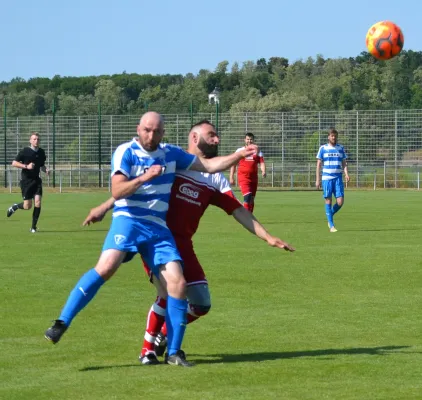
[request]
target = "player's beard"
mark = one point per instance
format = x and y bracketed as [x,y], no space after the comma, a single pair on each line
[208,150]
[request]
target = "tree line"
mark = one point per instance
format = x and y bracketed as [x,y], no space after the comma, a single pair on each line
[264,85]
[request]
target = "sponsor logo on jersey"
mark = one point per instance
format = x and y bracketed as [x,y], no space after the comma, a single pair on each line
[189,190]
[119,239]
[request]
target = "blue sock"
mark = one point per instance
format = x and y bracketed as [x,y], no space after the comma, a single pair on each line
[81,295]
[329,214]
[335,208]
[176,320]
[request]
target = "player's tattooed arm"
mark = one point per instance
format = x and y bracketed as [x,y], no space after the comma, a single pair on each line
[218,164]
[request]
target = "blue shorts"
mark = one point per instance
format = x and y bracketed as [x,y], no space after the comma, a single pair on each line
[157,247]
[333,187]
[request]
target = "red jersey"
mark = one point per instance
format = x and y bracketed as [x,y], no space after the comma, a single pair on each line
[247,169]
[192,192]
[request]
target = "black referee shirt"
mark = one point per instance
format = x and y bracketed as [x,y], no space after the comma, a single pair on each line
[26,156]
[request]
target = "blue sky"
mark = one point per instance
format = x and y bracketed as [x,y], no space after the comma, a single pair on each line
[44,38]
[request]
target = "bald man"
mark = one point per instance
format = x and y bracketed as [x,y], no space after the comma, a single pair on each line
[191,194]
[142,174]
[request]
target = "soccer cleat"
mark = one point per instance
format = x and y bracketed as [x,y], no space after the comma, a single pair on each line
[10,211]
[332,229]
[149,359]
[55,332]
[160,344]
[179,358]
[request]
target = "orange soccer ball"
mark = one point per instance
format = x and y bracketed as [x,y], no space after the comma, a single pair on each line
[384,40]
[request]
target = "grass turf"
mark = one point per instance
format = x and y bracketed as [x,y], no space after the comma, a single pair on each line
[338,319]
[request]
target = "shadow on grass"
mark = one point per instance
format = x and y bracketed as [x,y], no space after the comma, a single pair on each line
[270,356]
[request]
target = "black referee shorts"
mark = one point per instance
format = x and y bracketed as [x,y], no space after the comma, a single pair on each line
[30,188]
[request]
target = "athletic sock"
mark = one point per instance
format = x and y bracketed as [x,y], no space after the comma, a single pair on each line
[16,206]
[35,216]
[189,318]
[155,321]
[81,295]
[329,215]
[176,323]
[335,208]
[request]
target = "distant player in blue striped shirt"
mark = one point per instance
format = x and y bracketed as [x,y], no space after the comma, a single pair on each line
[143,172]
[333,158]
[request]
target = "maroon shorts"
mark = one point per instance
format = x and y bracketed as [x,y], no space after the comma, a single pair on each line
[192,269]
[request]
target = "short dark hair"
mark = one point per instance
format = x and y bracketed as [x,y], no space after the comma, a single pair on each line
[333,130]
[202,122]
[250,135]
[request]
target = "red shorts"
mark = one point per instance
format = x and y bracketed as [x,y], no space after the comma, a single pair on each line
[247,187]
[192,269]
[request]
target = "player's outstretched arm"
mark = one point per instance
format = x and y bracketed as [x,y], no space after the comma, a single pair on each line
[97,213]
[218,164]
[248,220]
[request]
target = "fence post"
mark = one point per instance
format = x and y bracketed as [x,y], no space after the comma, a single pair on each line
[217,112]
[357,149]
[395,149]
[54,143]
[79,149]
[385,173]
[111,137]
[418,179]
[5,139]
[10,181]
[99,143]
[272,174]
[309,176]
[375,179]
[282,149]
[60,180]
[70,176]
[177,126]
[292,180]
[319,128]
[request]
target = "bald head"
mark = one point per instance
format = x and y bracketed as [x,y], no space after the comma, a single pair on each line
[152,117]
[150,130]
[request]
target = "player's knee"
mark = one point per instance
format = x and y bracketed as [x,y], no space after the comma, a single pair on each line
[340,202]
[27,205]
[199,310]
[248,198]
[177,288]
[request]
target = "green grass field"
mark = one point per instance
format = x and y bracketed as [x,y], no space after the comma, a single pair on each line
[338,319]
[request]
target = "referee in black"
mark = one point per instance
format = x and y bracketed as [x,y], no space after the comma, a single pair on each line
[31,160]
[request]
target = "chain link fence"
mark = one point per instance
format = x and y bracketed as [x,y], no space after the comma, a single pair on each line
[384,147]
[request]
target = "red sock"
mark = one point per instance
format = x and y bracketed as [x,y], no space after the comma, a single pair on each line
[155,321]
[246,205]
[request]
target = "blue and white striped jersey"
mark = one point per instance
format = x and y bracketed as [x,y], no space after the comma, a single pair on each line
[332,158]
[150,202]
